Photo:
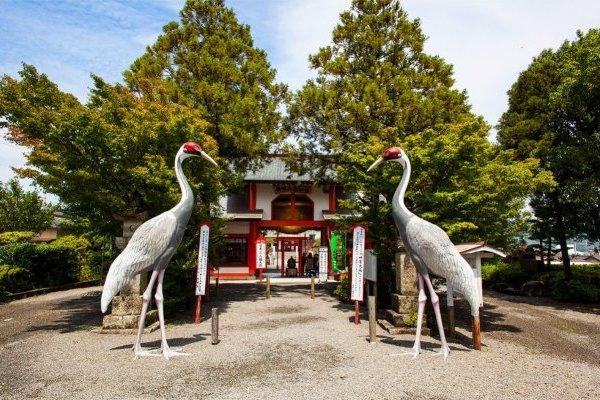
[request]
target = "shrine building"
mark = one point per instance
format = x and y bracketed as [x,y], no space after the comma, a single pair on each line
[294,214]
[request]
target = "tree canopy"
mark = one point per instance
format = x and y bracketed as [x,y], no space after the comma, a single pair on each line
[554,115]
[113,155]
[202,80]
[376,87]
[208,62]
[22,210]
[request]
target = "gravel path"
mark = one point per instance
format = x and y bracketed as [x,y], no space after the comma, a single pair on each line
[292,347]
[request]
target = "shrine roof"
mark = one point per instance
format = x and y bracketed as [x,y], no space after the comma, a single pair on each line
[275,169]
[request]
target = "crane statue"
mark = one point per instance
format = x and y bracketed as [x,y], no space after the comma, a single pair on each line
[431,250]
[151,248]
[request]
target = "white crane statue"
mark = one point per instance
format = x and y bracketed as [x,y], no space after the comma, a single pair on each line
[151,248]
[431,250]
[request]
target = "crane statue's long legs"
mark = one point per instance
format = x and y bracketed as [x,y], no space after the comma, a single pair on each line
[167,352]
[137,347]
[438,316]
[416,349]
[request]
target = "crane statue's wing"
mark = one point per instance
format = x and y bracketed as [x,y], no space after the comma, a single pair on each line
[439,254]
[145,248]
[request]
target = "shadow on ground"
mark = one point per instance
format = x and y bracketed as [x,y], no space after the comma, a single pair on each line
[79,313]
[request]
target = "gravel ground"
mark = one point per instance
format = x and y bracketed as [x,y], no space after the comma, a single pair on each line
[292,347]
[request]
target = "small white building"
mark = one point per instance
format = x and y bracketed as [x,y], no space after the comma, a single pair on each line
[474,253]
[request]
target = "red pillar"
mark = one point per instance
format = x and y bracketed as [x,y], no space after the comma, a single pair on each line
[300,254]
[332,198]
[329,254]
[252,249]
[252,197]
[282,259]
[252,233]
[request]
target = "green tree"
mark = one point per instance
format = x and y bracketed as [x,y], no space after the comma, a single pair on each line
[22,210]
[376,87]
[554,115]
[113,155]
[202,80]
[208,61]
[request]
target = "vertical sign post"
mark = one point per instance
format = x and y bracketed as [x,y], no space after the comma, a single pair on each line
[261,255]
[358,266]
[371,278]
[323,262]
[202,268]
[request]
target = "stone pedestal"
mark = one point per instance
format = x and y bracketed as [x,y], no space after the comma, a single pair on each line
[127,306]
[404,303]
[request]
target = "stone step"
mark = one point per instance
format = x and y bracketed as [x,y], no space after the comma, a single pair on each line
[399,330]
[404,304]
[112,322]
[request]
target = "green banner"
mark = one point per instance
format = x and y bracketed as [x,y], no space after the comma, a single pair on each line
[338,251]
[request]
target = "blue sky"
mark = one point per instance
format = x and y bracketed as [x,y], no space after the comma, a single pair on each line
[488,42]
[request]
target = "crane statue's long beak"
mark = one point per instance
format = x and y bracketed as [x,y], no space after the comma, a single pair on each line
[376,163]
[209,158]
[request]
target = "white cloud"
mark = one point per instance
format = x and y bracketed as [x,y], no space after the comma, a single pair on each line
[490,43]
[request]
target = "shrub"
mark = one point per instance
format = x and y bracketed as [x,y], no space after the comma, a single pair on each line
[501,272]
[342,290]
[584,285]
[46,265]
[15,237]
[411,318]
[12,279]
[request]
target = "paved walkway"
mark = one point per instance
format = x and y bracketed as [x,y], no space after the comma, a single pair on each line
[293,347]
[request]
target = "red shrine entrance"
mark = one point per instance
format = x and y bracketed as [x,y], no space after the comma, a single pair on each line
[294,216]
[297,245]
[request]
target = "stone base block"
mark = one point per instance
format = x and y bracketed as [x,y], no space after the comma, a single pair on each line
[127,321]
[147,329]
[399,319]
[404,304]
[399,330]
[126,305]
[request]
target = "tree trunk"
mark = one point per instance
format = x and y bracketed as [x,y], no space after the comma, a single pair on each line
[542,251]
[549,253]
[561,235]
[566,261]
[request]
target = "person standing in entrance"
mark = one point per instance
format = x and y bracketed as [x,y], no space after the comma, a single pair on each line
[291,263]
[308,265]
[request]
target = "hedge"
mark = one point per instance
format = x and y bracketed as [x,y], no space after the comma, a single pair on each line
[26,266]
[583,287]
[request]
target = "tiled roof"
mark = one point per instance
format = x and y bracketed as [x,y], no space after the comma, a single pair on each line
[468,246]
[275,169]
[477,247]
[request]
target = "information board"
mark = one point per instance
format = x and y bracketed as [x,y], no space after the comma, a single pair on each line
[261,253]
[358,262]
[202,260]
[370,266]
[323,261]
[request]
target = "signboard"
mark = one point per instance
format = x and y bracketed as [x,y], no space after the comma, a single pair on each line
[338,251]
[323,259]
[358,262]
[261,252]
[202,260]
[370,266]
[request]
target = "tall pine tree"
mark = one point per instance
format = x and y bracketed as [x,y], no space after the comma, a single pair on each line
[208,61]
[375,88]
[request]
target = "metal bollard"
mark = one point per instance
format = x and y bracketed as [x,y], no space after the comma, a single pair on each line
[312,287]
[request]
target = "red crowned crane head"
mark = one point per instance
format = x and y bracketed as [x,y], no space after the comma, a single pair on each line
[389,154]
[194,149]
